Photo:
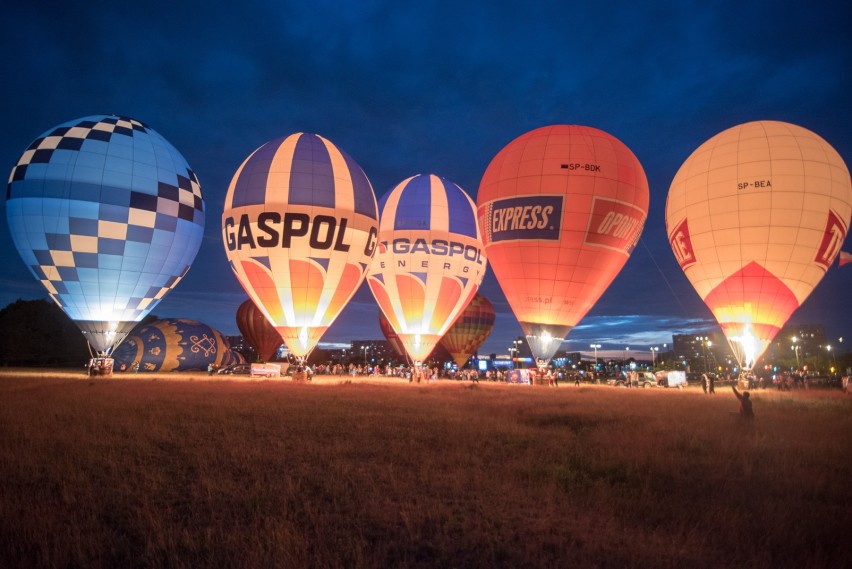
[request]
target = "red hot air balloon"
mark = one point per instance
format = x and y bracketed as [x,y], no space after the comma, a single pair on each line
[560,210]
[257,330]
[470,330]
[755,217]
[299,228]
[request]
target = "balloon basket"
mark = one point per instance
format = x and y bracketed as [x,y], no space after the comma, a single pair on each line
[299,376]
[541,379]
[100,367]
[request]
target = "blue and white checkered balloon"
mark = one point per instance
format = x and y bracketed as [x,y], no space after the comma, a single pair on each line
[108,216]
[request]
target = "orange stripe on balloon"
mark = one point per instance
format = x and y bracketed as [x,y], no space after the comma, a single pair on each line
[448,298]
[412,296]
[263,290]
[307,282]
[349,281]
[384,302]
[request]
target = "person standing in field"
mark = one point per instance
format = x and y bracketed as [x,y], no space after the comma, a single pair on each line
[704,382]
[711,383]
[746,411]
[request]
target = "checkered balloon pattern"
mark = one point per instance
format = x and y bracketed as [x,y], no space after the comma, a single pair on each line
[108,216]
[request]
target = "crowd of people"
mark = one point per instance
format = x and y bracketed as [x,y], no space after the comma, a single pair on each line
[424,373]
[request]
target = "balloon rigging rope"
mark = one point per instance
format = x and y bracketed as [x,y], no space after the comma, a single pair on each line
[668,284]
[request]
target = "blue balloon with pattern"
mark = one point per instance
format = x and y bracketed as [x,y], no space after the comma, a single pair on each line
[108,216]
[174,344]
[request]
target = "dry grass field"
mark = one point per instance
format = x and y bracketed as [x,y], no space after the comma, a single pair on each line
[153,471]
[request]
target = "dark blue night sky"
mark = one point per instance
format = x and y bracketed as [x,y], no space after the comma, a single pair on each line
[435,87]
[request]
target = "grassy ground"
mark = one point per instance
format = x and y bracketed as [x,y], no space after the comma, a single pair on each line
[150,471]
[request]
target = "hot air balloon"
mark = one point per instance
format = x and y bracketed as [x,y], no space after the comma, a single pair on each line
[175,344]
[755,217]
[560,209]
[470,330]
[429,262]
[390,335]
[257,330]
[299,228]
[108,216]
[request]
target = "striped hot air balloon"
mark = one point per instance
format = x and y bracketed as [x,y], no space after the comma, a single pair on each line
[429,262]
[299,228]
[755,217]
[470,330]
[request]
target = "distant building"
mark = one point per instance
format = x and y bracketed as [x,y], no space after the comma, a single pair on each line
[704,351]
[566,359]
[372,352]
[806,339]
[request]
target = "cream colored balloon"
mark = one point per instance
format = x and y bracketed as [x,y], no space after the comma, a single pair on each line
[755,217]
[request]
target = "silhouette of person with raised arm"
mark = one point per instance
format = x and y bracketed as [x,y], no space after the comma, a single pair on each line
[746,411]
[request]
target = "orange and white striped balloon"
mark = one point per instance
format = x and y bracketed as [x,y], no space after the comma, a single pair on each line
[429,262]
[299,227]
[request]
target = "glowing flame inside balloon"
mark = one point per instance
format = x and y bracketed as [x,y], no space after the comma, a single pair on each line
[749,351]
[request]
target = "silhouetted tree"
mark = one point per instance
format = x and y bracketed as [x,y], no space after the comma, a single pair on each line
[38,333]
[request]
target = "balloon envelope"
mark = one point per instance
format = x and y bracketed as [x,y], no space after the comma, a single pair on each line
[755,217]
[257,330]
[299,229]
[429,262]
[108,216]
[470,330]
[390,335]
[175,344]
[560,208]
